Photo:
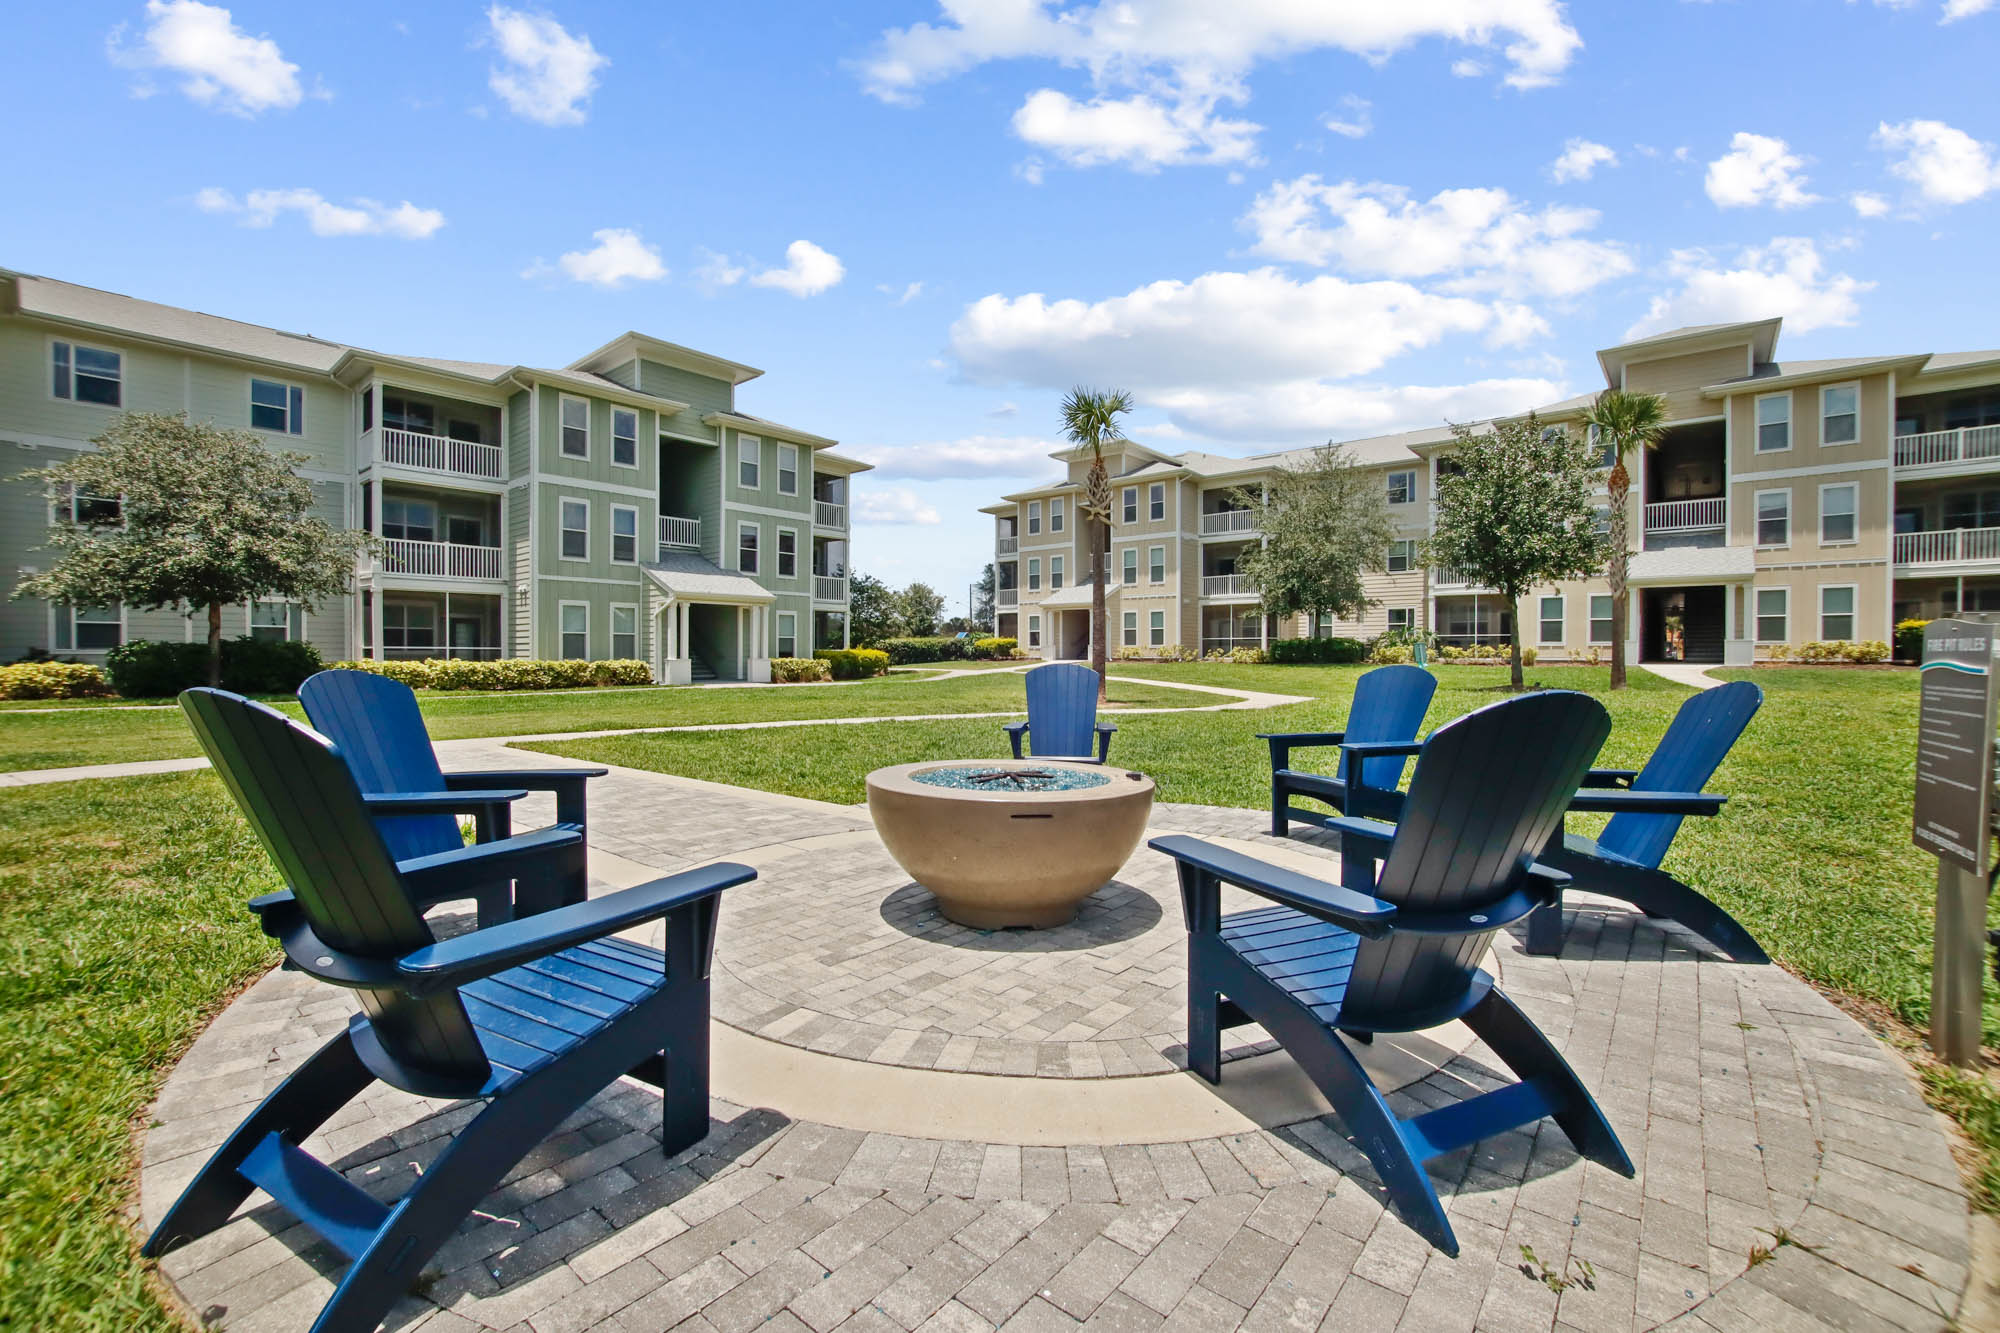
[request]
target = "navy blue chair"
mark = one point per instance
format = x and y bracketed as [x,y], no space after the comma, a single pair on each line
[1388,706]
[377,727]
[1062,715]
[530,1019]
[1397,948]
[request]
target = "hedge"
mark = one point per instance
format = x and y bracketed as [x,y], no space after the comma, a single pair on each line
[160,669]
[508,673]
[1317,652]
[1834,650]
[995,648]
[941,648]
[53,680]
[854,663]
[1910,640]
[796,670]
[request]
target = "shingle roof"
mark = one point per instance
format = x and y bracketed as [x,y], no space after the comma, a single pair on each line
[696,578]
[109,310]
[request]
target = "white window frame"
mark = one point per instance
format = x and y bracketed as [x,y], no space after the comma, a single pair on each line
[1757,422]
[1055,573]
[1034,518]
[1853,514]
[1758,616]
[778,553]
[1034,573]
[294,624]
[1409,488]
[750,454]
[616,510]
[1156,629]
[756,532]
[1400,618]
[1853,612]
[70,345]
[295,406]
[437,630]
[1561,617]
[1826,389]
[1129,567]
[1156,559]
[563,631]
[1034,631]
[633,413]
[1757,519]
[1156,502]
[1056,508]
[1128,629]
[1405,549]
[68,613]
[1609,617]
[78,494]
[612,625]
[563,529]
[1131,504]
[563,428]
[791,451]
[780,633]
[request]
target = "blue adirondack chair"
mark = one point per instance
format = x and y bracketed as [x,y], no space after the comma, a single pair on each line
[1062,715]
[1389,705]
[531,1018]
[1396,950]
[378,729]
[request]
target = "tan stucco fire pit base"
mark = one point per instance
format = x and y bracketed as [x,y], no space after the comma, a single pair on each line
[1009,842]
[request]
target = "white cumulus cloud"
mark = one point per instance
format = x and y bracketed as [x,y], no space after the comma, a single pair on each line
[1138,131]
[967,456]
[1868,205]
[1315,410]
[1758,169]
[1578,159]
[620,256]
[546,73]
[357,217]
[220,65]
[1354,120]
[1786,278]
[1955,10]
[1944,165]
[895,505]
[808,271]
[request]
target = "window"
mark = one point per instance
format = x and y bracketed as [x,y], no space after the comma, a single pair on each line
[1034,517]
[89,374]
[402,414]
[93,510]
[1551,628]
[1774,518]
[1034,573]
[92,629]
[464,530]
[1402,556]
[368,408]
[1034,631]
[1972,509]
[788,557]
[1400,618]
[1840,414]
[275,622]
[749,460]
[788,634]
[625,633]
[1606,455]
[1553,434]
[788,469]
[1156,628]
[277,407]
[1055,572]
[746,547]
[1156,564]
[1836,611]
[1774,606]
[575,630]
[1402,488]
[1836,513]
[1156,500]
[1774,423]
[1129,634]
[575,428]
[624,437]
[409,520]
[624,535]
[576,530]
[1055,516]
[1131,504]
[1600,522]
[1131,564]
[1600,618]
[409,625]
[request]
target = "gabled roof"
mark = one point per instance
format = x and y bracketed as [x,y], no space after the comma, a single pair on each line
[630,345]
[88,307]
[744,421]
[1778,374]
[1761,334]
[688,577]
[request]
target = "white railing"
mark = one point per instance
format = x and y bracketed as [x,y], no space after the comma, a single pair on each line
[1686,515]
[826,514]
[1226,585]
[1947,546]
[1967,444]
[1229,520]
[440,560]
[1007,545]
[1451,578]
[675,531]
[435,453]
[829,587]
[1009,596]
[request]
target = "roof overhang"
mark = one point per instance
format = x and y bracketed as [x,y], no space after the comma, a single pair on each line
[1829,375]
[758,426]
[721,588]
[631,345]
[1077,597]
[839,465]
[1692,565]
[1761,334]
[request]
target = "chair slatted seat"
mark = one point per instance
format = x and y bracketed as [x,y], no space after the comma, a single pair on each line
[1062,716]
[1388,706]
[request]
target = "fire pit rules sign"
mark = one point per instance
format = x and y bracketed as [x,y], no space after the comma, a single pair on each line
[1955,728]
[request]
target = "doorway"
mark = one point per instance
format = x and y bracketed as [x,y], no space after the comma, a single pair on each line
[1681,624]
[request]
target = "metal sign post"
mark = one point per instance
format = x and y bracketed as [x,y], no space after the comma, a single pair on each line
[1954,810]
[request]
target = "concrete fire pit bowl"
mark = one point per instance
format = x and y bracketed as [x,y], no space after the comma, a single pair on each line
[1009,842]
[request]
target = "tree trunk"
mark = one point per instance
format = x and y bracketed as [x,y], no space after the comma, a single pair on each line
[215,644]
[1617,572]
[1096,537]
[1514,641]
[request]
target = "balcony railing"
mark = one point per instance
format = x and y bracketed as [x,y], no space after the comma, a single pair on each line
[1967,444]
[1687,515]
[829,587]
[1947,546]
[1226,585]
[1229,520]
[1452,578]
[826,514]
[679,532]
[435,453]
[1008,596]
[1007,545]
[440,560]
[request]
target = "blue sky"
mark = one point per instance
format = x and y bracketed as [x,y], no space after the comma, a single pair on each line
[1276,221]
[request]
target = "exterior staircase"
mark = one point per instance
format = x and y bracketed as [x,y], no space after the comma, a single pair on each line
[700,672]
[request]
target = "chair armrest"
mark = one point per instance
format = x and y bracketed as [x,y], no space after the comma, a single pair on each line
[1104,730]
[534,779]
[437,802]
[1375,833]
[1619,799]
[1303,737]
[1543,888]
[447,874]
[1015,731]
[465,958]
[1378,749]
[1610,777]
[1358,912]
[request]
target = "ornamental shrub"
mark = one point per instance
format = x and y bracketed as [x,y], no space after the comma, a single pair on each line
[1910,640]
[994,649]
[508,673]
[160,669]
[1174,652]
[934,648]
[1128,653]
[53,680]
[1297,652]
[796,670]
[853,663]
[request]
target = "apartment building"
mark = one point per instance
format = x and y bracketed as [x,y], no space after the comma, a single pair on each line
[621,506]
[1787,501]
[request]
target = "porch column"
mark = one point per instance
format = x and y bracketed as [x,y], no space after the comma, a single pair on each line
[375,614]
[447,624]
[846,615]
[681,629]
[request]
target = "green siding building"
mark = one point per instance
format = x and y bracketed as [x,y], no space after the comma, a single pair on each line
[620,506]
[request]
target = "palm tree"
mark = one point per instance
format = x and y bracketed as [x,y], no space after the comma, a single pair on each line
[1627,425]
[1090,417]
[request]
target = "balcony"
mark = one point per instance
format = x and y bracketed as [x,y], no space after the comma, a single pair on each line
[1453,578]
[1007,545]
[1687,515]
[826,514]
[829,587]
[435,453]
[1228,520]
[1948,546]
[440,560]
[1008,596]
[679,533]
[1226,585]
[1967,444]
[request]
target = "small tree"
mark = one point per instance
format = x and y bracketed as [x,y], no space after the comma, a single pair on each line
[207,517]
[872,615]
[983,593]
[1090,418]
[918,608]
[1516,512]
[1627,425]
[1323,522]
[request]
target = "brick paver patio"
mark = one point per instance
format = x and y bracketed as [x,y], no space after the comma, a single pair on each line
[1790,1176]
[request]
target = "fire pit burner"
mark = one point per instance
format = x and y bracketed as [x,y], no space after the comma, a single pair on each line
[981,777]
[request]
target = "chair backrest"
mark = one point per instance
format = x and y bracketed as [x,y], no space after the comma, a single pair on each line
[1696,743]
[1062,710]
[302,802]
[1389,705]
[1489,790]
[375,724]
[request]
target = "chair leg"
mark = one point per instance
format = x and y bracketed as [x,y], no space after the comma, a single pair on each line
[1513,1036]
[330,1079]
[1204,1040]
[1545,929]
[1658,894]
[1281,824]
[684,1087]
